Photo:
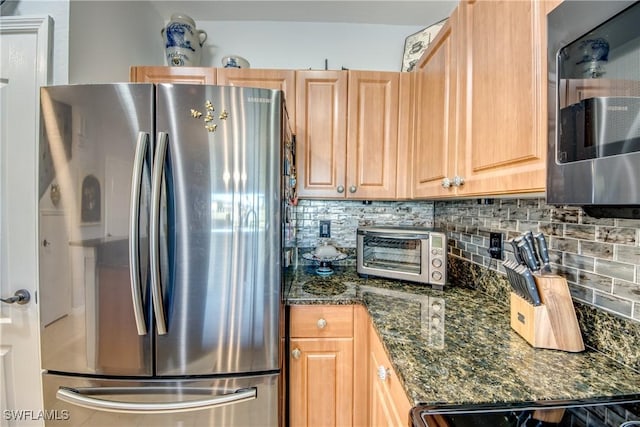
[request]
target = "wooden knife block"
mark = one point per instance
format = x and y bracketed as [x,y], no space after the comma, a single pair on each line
[552,324]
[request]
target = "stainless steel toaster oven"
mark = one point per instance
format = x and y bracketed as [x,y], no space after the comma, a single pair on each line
[405,253]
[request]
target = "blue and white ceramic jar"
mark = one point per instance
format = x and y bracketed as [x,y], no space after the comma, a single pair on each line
[182,41]
[594,54]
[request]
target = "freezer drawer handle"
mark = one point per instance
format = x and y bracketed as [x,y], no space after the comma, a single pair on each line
[134,232]
[79,397]
[154,235]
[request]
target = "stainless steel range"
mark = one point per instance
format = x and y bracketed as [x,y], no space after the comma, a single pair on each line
[621,412]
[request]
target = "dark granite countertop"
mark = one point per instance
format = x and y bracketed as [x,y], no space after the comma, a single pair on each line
[456,346]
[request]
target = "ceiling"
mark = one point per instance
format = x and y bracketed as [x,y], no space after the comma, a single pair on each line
[414,12]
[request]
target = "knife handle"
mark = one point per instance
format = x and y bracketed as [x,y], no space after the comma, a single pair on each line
[527,255]
[516,251]
[528,236]
[542,248]
[531,287]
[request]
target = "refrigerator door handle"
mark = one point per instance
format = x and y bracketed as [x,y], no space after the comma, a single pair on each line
[154,234]
[134,232]
[81,397]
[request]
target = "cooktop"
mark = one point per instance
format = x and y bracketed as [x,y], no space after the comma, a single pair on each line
[621,412]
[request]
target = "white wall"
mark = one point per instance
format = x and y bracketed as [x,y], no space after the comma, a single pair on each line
[97,41]
[59,12]
[107,37]
[302,45]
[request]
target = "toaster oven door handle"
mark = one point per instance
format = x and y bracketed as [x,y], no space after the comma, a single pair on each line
[396,236]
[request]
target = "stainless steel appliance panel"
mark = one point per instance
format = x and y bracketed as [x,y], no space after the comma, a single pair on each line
[221,289]
[575,74]
[244,401]
[90,134]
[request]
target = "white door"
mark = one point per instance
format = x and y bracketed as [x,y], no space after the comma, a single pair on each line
[24,47]
[55,266]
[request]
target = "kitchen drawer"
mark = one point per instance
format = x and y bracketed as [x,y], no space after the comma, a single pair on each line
[311,321]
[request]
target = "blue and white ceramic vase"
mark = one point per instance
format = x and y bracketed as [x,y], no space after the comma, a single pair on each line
[182,41]
[594,54]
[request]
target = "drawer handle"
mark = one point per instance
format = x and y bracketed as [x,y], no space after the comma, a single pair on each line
[321,323]
[296,353]
[383,373]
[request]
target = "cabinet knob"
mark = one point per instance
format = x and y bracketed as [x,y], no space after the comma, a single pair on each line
[353,189]
[383,373]
[446,183]
[321,323]
[340,189]
[295,353]
[458,181]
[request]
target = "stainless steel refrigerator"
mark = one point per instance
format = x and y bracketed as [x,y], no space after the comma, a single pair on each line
[160,254]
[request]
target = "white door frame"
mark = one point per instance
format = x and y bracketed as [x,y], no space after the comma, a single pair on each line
[20,374]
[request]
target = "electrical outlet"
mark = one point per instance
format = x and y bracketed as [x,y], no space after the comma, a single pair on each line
[495,245]
[325,228]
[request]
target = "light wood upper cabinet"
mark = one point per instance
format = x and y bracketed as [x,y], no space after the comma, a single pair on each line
[321,133]
[481,102]
[504,120]
[349,129]
[284,80]
[157,74]
[435,156]
[372,134]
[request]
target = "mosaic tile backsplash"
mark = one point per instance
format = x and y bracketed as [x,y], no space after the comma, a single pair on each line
[600,258]
[346,216]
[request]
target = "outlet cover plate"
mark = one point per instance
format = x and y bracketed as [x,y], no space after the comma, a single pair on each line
[495,245]
[325,228]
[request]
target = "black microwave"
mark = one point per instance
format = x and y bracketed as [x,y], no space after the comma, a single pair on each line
[594,106]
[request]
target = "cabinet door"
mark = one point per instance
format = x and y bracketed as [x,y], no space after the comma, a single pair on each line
[283,80]
[372,140]
[192,75]
[321,382]
[321,125]
[389,403]
[505,73]
[435,139]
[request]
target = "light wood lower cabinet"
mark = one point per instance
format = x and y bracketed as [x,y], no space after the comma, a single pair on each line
[389,405]
[321,366]
[322,382]
[335,358]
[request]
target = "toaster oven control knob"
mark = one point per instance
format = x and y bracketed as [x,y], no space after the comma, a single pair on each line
[458,181]
[446,183]
[353,189]
[383,373]
[437,263]
[340,189]
[321,323]
[436,275]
